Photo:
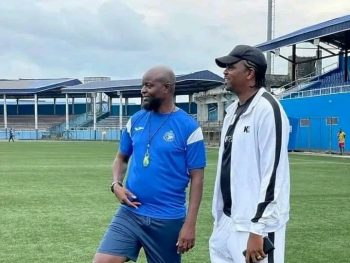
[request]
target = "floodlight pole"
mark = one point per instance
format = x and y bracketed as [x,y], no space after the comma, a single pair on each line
[269,35]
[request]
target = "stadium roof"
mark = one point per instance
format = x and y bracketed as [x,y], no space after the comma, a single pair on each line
[185,84]
[335,32]
[29,87]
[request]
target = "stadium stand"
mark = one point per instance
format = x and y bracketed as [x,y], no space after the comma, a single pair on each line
[211,132]
[27,121]
[317,107]
[111,122]
[97,119]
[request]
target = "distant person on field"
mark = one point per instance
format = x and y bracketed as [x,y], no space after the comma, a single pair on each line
[341,141]
[11,135]
[162,147]
[251,194]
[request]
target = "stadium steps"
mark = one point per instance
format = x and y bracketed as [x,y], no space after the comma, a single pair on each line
[22,122]
[111,122]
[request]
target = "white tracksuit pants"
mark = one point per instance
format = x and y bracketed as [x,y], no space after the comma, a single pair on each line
[227,244]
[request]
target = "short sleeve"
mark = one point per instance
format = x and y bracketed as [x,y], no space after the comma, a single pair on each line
[125,146]
[195,150]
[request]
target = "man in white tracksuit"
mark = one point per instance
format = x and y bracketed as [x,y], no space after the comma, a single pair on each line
[251,194]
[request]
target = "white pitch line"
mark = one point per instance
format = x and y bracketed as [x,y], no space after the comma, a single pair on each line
[317,162]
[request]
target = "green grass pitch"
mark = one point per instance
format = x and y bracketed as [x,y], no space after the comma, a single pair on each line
[55,204]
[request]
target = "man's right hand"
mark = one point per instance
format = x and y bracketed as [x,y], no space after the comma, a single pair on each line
[125,196]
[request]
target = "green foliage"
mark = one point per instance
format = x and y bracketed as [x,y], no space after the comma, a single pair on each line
[55,204]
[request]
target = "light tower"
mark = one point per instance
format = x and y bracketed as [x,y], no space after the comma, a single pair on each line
[270,32]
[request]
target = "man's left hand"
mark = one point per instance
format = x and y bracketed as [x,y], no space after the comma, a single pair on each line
[255,251]
[186,238]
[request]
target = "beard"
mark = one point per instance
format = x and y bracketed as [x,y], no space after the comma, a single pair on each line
[230,87]
[227,86]
[152,104]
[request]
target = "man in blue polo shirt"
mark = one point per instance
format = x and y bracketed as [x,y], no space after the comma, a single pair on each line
[163,148]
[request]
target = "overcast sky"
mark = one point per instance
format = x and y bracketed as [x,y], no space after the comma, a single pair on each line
[123,38]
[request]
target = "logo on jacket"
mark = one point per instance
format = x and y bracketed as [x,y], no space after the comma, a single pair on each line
[228,139]
[139,128]
[169,136]
[246,129]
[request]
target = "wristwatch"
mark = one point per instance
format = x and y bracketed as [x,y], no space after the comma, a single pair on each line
[120,183]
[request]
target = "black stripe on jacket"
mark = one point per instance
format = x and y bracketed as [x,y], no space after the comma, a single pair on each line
[271,187]
[270,256]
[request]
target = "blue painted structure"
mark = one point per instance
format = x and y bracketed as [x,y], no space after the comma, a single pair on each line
[318,135]
[90,134]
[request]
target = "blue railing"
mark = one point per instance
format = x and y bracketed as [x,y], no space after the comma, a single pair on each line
[318,92]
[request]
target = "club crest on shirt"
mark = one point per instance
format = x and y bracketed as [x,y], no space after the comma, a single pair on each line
[169,136]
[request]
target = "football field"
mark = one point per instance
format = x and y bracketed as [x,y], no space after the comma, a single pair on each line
[55,204]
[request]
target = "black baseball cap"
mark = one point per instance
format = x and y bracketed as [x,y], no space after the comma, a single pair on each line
[244,52]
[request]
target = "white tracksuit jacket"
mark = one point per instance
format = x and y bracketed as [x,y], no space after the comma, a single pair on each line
[259,166]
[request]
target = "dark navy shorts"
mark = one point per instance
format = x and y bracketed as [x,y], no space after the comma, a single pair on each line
[128,232]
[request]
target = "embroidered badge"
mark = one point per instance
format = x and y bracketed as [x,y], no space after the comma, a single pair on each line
[169,136]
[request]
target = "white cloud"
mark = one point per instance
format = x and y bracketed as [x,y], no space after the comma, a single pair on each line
[122,38]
